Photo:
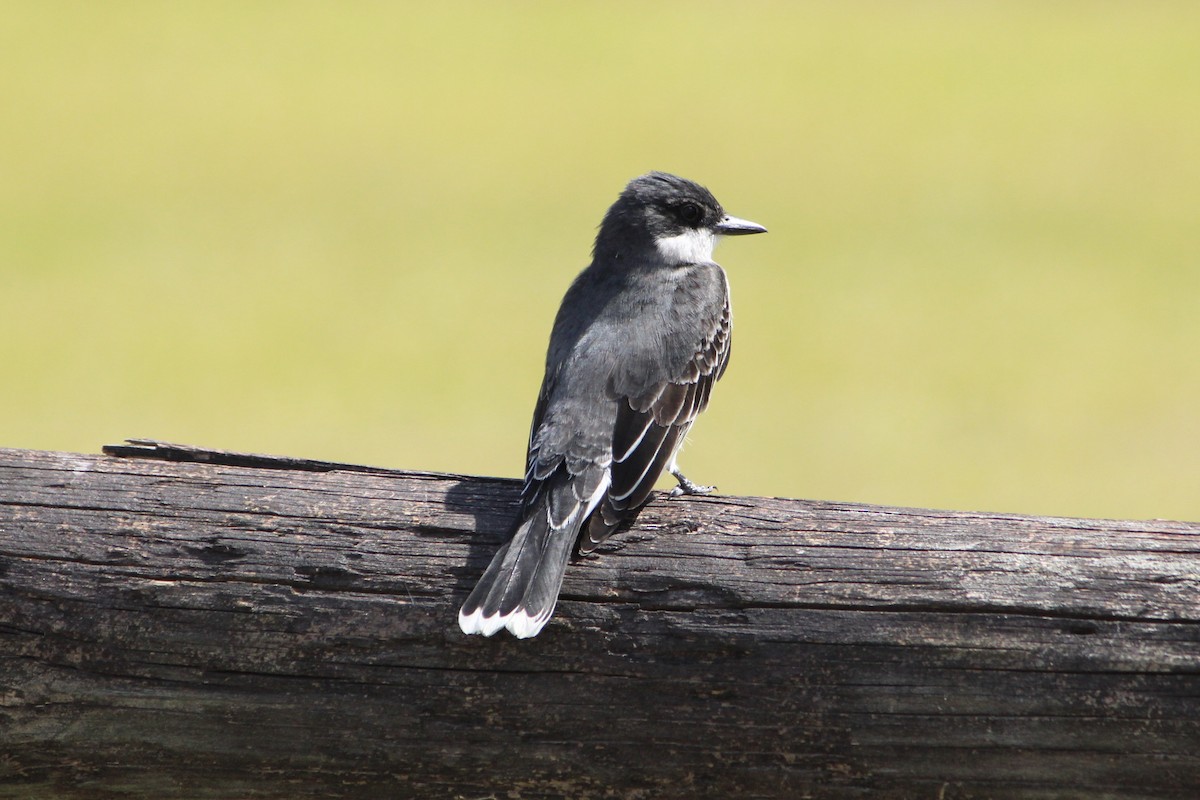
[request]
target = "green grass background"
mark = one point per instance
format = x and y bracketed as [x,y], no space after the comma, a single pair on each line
[341,230]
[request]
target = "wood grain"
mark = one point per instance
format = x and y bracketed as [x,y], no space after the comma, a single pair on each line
[180,622]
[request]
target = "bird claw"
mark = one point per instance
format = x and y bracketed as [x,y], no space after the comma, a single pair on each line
[689,487]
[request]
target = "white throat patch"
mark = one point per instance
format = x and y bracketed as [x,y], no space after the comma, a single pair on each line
[690,247]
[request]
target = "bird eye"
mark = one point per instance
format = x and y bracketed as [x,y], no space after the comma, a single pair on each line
[691,213]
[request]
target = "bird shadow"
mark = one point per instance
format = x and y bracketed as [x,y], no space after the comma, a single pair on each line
[493,504]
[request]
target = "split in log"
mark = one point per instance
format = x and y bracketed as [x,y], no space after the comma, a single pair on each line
[200,624]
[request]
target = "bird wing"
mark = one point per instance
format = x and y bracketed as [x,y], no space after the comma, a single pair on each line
[651,425]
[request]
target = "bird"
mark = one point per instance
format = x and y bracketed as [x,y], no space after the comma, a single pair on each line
[641,336]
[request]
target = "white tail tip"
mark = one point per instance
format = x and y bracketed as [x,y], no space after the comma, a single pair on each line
[519,623]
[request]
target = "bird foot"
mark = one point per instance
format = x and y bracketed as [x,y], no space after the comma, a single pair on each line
[687,486]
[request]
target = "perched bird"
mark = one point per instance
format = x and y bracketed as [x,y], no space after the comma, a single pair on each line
[641,337]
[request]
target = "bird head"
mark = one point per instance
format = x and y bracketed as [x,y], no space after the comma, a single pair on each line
[669,217]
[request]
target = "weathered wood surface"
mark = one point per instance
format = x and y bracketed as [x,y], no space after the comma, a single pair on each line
[285,629]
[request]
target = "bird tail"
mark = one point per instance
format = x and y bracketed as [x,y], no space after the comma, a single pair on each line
[519,589]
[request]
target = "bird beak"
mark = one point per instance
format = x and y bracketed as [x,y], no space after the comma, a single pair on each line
[732,226]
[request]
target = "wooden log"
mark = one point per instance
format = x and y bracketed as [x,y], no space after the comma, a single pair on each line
[213,625]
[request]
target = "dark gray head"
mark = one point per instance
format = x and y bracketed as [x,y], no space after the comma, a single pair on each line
[669,216]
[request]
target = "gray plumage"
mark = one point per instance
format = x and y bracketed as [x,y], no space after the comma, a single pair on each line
[641,337]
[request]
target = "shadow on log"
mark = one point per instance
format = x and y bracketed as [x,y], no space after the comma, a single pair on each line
[201,624]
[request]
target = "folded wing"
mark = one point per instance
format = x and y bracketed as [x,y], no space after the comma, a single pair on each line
[650,428]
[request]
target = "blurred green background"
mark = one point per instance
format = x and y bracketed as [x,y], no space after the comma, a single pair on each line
[341,230]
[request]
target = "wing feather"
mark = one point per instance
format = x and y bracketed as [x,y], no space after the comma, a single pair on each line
[651,427]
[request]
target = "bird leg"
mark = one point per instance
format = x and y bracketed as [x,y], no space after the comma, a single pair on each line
[687,486]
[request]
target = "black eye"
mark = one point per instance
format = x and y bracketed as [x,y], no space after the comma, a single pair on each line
[690,213]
